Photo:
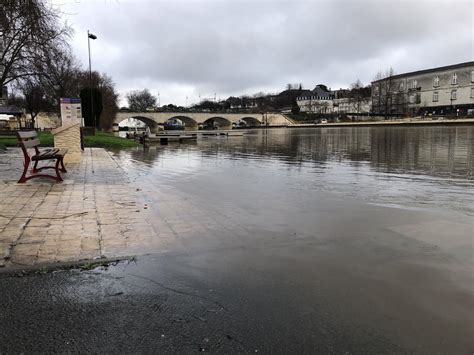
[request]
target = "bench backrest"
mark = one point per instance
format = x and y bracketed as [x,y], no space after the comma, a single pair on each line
[28,139]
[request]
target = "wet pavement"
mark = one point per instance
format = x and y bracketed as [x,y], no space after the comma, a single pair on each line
[304,241]
[95,213]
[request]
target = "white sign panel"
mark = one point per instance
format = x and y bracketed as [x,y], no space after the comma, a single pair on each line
[71,111]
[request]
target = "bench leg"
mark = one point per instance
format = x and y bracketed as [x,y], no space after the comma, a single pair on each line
[63,169]
[26,165]
[58,177]
[35,167]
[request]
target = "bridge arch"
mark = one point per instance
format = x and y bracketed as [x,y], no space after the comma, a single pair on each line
[189,123]
[251,121]
[149,122]
[218,122]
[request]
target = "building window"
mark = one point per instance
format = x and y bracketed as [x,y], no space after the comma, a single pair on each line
[435,96]
[472,76]
[454,81]
[414,84]
[412,99]
[402,86]
[472,92]
[436,81]
[454,94]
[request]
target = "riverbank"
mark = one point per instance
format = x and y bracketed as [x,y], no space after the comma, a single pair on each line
[99,140]
[404,122]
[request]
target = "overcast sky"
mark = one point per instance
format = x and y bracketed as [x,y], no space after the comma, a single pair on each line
[191,48]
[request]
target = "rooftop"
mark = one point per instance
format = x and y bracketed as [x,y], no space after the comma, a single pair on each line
[10,110]
[319,91]
[426,71]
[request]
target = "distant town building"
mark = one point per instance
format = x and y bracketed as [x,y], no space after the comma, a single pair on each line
[318,100]
[244,102]
[11,117]
[46,120]
[352,102]
[341,102]
[447,90]
[349,105]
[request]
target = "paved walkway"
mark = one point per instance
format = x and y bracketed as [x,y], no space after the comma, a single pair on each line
[96,212]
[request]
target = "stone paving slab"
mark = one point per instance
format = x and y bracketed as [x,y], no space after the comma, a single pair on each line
[95,213]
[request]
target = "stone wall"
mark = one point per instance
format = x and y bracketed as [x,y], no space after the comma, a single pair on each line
[69,137]
[276,119]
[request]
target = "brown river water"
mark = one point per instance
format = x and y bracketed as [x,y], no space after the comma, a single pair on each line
[415,167]
[367,230]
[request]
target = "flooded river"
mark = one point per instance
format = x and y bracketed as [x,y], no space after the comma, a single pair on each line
[425,167]
[342,239]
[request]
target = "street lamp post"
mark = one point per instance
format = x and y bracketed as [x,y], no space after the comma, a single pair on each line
[89,37]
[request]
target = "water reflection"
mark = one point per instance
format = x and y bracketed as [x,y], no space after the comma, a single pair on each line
[435,151]
[416,167]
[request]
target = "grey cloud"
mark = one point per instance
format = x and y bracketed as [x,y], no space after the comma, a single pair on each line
[236,47]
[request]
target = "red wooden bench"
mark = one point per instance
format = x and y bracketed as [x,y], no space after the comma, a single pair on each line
[29,140]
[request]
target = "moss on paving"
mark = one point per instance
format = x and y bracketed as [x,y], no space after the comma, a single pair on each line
[101,139]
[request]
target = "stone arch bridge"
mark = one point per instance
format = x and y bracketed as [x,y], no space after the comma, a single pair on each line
[193,119]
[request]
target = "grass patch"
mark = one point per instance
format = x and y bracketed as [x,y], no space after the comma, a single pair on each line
[101,139]
[46,139]
[108,140]
[7,141]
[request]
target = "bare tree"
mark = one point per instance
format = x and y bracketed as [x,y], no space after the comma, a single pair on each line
[384,90]
[35,100]
[140,100]
[60,75]
[35,56]
[28,30]
[358,95]
[296,86]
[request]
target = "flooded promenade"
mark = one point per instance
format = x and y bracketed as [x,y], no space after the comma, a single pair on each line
[337,240]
